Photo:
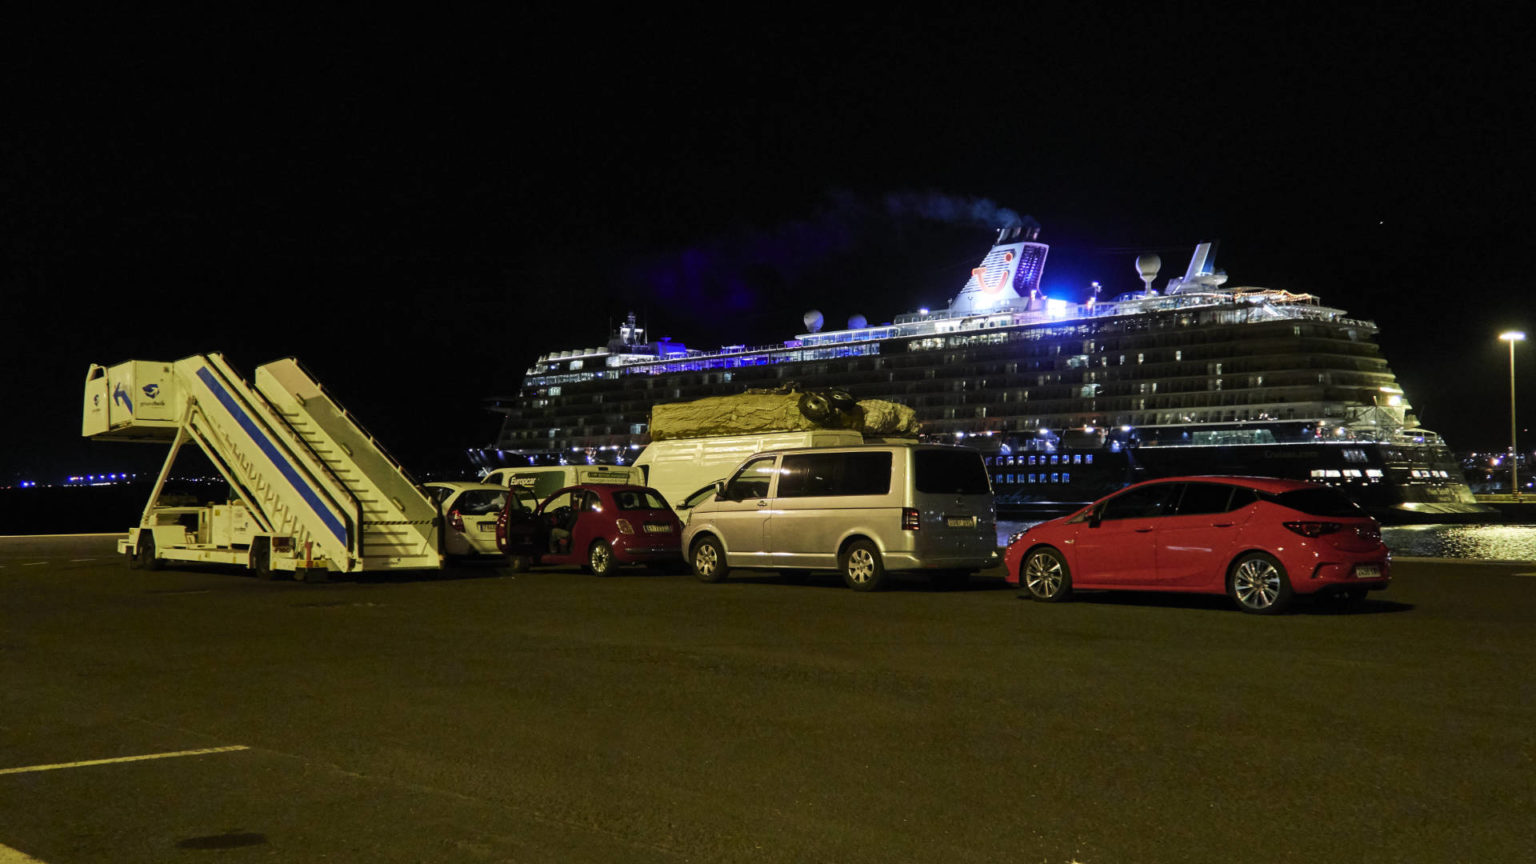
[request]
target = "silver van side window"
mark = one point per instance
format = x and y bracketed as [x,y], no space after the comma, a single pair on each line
[807,474]
[751,481]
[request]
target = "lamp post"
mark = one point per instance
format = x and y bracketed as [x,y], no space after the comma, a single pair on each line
[1513,336]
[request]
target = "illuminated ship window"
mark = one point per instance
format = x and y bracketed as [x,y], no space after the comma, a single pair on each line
[1373,472]
[1088,459]
[1066,478]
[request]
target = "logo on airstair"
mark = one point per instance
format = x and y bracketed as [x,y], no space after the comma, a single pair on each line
[151,396]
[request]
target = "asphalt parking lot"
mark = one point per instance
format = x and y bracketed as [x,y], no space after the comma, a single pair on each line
[191,714]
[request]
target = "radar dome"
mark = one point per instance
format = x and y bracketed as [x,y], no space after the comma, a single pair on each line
[1147,266]
[813,321]
[857,322]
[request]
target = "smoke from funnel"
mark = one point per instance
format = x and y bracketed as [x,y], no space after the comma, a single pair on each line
[956,210]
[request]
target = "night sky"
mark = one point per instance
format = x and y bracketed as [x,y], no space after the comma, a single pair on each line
[418,208]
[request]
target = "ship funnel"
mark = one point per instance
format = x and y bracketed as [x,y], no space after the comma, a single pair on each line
[1010,271]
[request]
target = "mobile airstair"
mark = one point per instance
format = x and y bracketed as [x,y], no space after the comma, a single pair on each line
[311,491]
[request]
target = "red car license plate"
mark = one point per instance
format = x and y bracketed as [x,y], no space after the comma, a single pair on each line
[1367,571]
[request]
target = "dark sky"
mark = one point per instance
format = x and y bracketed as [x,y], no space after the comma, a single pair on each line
[418,207]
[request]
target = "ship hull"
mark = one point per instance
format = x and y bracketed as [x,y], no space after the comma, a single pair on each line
[1395,484]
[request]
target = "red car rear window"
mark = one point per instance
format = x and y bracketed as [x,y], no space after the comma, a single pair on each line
[639,499]
[1321,501]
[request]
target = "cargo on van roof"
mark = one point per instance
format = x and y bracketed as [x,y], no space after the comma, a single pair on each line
[678,467]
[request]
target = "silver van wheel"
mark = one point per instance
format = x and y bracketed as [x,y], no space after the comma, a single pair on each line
[862,568]
[708,560]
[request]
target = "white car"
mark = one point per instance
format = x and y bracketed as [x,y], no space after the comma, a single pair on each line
[469,516]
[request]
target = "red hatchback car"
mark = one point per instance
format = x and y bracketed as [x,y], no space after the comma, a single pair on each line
[1259,540]
[596,525]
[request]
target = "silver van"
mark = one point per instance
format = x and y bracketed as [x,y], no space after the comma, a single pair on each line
[863,511]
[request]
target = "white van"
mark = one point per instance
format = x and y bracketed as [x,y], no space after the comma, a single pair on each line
[546,480]
[679,467]
[863,511]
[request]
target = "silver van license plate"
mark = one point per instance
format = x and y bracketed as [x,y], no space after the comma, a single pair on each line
[960,521]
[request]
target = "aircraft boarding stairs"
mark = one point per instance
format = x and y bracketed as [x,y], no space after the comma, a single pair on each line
[320,492]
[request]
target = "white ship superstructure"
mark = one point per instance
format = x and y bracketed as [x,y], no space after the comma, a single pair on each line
[1068,399]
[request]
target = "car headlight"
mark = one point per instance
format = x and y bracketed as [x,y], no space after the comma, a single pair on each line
[1014,537]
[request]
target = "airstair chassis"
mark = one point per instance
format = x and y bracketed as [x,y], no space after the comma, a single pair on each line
[312,492]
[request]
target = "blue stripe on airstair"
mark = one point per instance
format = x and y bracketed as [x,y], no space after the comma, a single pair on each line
[275,455]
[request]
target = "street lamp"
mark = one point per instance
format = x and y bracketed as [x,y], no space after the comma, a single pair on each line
[1513,336]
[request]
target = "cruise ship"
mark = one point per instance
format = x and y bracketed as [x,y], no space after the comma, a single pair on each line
[1067,400]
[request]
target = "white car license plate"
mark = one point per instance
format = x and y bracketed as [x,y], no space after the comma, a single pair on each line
[1367,571]
[487,526]
[960,521]
[658,529]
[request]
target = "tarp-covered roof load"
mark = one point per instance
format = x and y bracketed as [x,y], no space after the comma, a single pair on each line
[790,408]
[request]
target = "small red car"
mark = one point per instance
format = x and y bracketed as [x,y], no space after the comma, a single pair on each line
[1259,540]
[596,525]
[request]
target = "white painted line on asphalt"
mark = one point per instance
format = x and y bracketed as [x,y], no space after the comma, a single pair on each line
[11,856]
[31,768]
[78,560]
[34,563]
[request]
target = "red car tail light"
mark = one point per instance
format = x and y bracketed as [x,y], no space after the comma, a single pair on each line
[1313,529]
[624,526]
[911,520]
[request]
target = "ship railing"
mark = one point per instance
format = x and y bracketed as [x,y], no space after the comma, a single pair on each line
[1277,305]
